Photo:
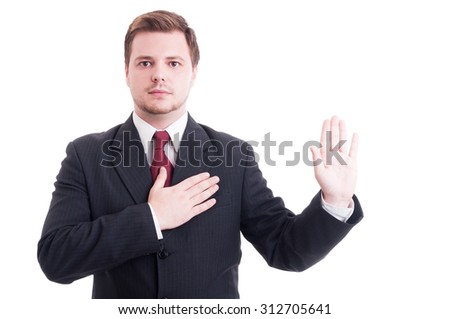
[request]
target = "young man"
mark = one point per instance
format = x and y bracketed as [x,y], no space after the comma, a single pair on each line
[151,216]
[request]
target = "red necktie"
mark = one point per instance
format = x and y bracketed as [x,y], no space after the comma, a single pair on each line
[159,157]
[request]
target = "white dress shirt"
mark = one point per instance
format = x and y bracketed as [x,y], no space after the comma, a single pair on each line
[176,131]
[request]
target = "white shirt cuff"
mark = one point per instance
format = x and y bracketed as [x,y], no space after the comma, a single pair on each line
[155,221]
[340,213]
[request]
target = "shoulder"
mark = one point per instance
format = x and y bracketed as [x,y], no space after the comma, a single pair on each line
[223,137]
[91,140]
[94,147]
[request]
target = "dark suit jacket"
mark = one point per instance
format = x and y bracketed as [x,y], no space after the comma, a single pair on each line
[99,222]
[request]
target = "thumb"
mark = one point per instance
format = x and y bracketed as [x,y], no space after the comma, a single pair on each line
[161,178]
[316,156]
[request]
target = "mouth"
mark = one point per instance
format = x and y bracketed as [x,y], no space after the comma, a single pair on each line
[158,92]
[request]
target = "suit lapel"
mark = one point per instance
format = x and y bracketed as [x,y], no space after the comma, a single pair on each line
[190,159]
[132,165]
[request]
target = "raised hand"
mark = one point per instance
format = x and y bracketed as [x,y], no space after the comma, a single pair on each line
[176,205]
[335,168]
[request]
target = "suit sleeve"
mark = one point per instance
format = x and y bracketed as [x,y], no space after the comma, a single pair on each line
[286,240]
[73,245]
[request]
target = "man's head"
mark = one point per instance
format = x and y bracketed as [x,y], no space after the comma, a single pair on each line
[162,21]
[161,57]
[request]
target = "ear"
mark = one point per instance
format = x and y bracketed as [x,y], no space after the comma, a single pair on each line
[126,74]
[194,75]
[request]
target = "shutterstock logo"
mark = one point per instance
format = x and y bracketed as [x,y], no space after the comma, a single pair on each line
[196,152]
[270,146]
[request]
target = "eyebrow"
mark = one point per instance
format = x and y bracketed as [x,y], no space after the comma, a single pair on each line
[149,57]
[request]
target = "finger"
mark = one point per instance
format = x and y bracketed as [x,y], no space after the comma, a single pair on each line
[207,193]
[190,181]
[334,126]
[203,207]
[161,178]
[354,146]
[324,136]
[343,136]
[202,186]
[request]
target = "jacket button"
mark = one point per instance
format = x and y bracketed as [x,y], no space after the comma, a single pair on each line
[163,254]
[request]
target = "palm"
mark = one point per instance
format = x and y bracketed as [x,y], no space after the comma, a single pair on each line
[335,168]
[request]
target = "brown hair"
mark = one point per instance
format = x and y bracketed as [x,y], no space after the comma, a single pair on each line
[162,21]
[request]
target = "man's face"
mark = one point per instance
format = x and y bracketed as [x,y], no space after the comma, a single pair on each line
[160,73]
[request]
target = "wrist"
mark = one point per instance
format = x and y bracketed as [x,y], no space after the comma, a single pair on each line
[337,201]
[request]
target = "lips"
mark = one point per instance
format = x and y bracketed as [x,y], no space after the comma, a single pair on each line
[159,93]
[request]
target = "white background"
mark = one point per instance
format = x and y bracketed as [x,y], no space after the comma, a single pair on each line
[266,66]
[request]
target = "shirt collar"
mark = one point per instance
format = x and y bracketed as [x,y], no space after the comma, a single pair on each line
[146,131]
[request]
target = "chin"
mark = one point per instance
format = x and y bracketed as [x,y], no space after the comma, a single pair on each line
[159,110]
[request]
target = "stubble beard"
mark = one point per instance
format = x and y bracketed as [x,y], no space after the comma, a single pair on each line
[153,108]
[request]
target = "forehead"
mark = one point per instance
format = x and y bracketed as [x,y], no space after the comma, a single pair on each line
[160,44]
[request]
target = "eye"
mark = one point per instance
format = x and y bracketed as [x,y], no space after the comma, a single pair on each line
[145,64]
[174,64]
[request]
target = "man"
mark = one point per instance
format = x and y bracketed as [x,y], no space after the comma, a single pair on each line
[162,218]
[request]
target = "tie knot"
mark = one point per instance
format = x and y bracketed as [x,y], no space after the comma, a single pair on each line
[161,135]
[161,138]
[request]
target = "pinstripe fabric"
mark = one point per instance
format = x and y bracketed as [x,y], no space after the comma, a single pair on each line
[99,222]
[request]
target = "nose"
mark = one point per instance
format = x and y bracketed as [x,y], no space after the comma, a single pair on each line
[157,74]
[157,78]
